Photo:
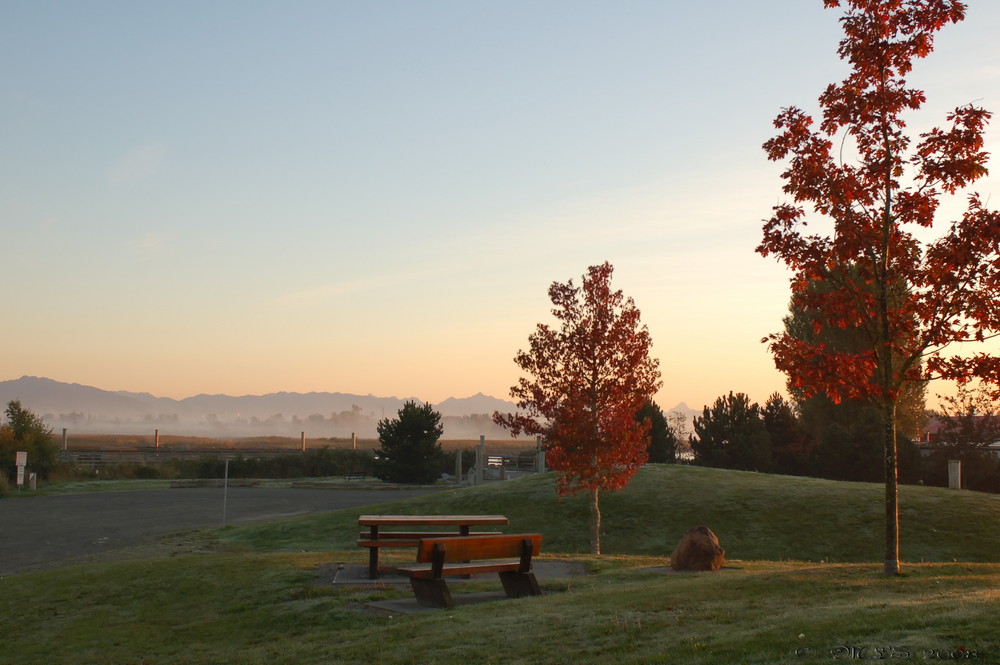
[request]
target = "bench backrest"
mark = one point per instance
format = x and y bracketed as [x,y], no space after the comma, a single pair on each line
[473,548]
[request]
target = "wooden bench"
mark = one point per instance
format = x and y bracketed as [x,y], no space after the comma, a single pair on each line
[438,558]
[376,538]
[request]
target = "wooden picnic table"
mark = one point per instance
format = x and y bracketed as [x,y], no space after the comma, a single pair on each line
[376,539]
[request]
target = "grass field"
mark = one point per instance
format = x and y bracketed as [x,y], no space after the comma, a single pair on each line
[804,585]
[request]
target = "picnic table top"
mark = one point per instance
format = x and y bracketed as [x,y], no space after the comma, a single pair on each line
[431,520]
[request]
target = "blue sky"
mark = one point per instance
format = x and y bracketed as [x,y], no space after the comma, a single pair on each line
[373,197]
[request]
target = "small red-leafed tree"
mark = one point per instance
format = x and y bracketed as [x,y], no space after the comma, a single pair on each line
[586,381]
[912,298]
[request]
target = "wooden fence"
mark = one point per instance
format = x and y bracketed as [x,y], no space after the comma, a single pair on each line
[97,450]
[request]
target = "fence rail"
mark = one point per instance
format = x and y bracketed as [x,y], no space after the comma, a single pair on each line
[94,451]
[96,458]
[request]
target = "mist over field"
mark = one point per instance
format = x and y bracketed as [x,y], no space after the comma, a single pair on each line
[86,409]
[89,410]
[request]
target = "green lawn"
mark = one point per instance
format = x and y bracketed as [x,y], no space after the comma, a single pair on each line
[804,586]
[756,516]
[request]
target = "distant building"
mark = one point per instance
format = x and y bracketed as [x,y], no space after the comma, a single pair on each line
[930,438]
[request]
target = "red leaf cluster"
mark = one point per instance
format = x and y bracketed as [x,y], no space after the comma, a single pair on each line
[585,382]
[912,298]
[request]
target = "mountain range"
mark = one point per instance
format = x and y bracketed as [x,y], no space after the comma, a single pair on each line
[88,409]
[46,396]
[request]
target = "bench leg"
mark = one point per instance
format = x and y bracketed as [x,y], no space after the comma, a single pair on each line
[373,563]
[432,593]
[516,585]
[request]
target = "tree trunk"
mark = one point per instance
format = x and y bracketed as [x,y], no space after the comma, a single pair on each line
[891,489]
[886,364]
[595,522]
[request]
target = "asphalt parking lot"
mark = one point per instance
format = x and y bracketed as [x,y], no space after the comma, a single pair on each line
[51,531]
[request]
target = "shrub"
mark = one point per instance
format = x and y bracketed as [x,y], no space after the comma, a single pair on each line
[25,431]
[409,451]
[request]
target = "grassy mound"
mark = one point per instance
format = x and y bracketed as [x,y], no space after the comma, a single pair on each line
[756,516]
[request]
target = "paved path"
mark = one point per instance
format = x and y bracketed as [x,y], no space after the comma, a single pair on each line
[47,531]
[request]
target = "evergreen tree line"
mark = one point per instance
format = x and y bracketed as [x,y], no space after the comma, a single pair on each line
[822,439]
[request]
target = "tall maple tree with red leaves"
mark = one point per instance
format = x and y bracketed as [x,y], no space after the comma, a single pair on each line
[587,380]
[912,299]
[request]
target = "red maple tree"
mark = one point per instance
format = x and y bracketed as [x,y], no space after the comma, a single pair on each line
[912,298]
[587,380]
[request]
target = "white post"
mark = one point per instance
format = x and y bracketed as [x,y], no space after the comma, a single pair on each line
[955,474]
[225,492]
[354,439]
[480,459]
[64,439]
[303,441]
[539,456]
[21,461]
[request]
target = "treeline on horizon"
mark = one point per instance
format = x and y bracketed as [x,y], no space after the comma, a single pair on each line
[836,441]
[815,437]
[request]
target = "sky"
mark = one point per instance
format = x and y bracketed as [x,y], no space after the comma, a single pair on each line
[246,197]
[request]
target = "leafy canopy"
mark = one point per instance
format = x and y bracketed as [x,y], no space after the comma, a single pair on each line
[913,299]
[862,171]
[586,381]
[26,431]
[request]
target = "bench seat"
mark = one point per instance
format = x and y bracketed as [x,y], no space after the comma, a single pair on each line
[457,569]
[438,558]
